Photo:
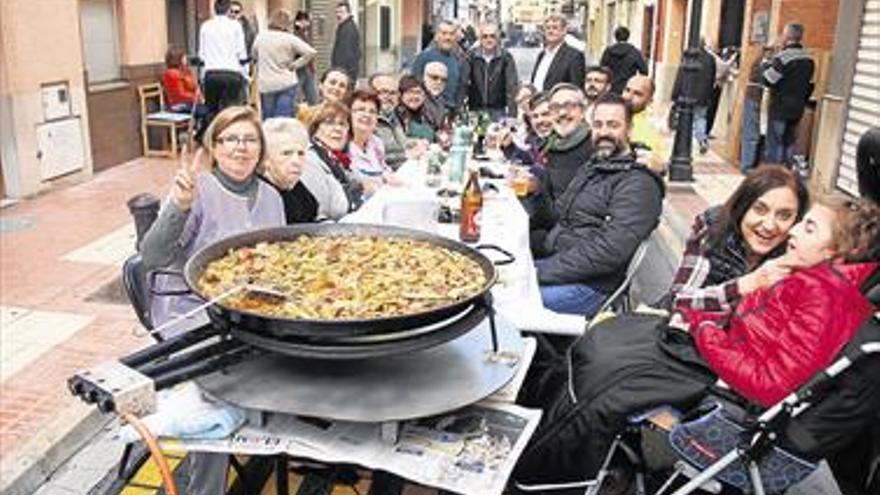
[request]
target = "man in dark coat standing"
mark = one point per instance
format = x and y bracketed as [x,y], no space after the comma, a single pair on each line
[557,62]
[623,59]
[347,44]
[702,83]
[493,78]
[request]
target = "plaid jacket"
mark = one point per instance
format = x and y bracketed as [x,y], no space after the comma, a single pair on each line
[688,285]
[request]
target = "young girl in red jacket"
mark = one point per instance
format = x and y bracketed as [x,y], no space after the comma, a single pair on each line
[773,341]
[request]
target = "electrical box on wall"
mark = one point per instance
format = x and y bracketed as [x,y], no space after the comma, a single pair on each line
[56,101]
[61,149]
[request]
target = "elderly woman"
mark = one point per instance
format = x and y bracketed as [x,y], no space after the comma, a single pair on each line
[287,143]
[411,110]
[279,54]
[327,174]
[366,150]
[333,88]
[207,205]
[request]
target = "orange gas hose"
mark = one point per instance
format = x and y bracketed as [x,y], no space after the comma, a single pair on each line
[155,452]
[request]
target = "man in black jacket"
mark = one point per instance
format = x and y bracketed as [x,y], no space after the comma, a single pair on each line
[347,43]
[789,76]
[608,209]
[557,62]
[623,59]
[493,77]
[702,84]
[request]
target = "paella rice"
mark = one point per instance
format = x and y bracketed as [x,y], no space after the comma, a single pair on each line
[343,278]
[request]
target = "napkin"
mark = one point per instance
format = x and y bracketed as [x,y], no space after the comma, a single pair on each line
[182,412]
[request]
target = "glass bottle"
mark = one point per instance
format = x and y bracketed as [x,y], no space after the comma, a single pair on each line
[471,204]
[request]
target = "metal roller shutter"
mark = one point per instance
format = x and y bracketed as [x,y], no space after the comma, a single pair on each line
[863,108]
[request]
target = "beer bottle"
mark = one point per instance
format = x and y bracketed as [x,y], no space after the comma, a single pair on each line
[471,204]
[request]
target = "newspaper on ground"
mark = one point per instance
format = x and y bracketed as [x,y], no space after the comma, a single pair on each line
[471,451]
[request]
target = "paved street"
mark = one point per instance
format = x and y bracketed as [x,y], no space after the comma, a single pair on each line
[525,60]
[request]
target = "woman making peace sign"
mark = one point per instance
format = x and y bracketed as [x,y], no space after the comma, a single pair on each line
[224,199]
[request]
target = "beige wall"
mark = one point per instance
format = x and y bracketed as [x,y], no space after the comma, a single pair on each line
[143,32]
[40,45]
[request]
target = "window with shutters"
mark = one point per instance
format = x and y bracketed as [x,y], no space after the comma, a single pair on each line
[384,27]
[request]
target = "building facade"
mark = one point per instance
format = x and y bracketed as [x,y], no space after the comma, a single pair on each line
[69,75]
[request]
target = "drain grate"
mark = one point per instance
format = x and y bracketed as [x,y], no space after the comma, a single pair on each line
[15,224]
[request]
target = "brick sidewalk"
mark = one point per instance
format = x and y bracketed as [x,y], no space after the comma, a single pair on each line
[58,250]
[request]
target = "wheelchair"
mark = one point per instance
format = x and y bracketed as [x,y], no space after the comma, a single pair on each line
[728,445]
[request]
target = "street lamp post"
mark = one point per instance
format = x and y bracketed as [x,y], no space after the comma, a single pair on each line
[680,168]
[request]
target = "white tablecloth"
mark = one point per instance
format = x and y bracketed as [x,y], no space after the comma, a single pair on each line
[505,224]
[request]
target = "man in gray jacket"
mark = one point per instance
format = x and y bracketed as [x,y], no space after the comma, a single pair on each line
[388,126]
[347,43]
[611,205]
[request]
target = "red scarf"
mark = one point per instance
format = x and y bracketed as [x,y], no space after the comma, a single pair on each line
[342,157]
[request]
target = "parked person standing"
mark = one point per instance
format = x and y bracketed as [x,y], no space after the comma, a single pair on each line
[443,51]
[702,83]
[280,54]
[493,77]
[347,43]
[789,76]
[302,27]
[222,49]
[597,82]
[623,59]
[750,136]
[557,62]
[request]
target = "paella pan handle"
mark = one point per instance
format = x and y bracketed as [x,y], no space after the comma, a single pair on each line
[508,256]
[151,282]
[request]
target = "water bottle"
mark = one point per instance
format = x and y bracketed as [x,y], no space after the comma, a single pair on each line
[458,155]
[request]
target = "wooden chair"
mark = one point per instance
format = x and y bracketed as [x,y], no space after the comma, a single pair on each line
[153,115]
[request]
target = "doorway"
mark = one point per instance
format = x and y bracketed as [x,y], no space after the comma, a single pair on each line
[732,19]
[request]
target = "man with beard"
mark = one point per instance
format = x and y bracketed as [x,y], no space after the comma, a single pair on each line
[611,205]
[597,82]
[647,141]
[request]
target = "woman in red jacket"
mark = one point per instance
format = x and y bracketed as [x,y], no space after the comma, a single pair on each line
[775,340]
[179,82]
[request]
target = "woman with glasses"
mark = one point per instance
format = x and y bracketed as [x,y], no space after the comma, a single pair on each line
[214,195]
[327,174]
[366,150]
[411,110]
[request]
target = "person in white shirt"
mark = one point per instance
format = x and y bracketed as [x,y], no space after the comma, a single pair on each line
[279,54]
[222,50]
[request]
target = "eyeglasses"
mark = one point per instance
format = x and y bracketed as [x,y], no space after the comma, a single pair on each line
[437,77]
[387,91]
[566,105]
[233,141]
[234,12]
[337,123]
[488,36]
[369,111]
